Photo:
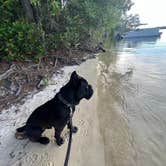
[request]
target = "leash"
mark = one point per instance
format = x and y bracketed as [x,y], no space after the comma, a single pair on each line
[70,138]
[64,101]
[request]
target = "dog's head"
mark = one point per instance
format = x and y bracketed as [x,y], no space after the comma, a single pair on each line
[76,89]
[82,88]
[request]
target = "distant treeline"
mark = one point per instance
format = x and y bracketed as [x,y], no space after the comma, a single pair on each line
[31,28]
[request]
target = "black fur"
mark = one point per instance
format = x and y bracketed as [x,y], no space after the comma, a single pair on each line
[55,113]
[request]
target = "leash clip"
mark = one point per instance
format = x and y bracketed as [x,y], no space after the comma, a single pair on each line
[71,112]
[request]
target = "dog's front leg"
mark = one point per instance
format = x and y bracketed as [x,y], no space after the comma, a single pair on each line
[59,139]
[74,128]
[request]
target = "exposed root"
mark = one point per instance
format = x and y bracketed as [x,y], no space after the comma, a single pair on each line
[20,78]
[13,68]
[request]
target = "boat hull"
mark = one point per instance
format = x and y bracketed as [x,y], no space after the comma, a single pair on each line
[148,32]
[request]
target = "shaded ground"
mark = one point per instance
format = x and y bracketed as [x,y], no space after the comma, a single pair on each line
[18,79]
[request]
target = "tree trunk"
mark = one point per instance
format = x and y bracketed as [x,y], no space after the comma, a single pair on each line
[28,10]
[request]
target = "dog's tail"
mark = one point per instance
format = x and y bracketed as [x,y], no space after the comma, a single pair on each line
[21,133]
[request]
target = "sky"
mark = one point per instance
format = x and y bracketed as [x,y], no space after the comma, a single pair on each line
[152,12]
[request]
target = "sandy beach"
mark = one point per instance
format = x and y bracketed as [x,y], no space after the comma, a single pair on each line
[87,146]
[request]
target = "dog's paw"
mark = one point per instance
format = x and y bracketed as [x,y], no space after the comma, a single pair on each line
[60,141]
[44,140]
[74,129]
[20,135]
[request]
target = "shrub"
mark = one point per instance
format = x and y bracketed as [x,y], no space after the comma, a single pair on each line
[54,25]
[20,41]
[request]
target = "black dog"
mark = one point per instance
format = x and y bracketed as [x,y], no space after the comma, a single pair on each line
[55,113]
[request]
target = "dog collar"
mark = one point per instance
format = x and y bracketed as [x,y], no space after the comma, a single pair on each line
[64,101]
[67,104]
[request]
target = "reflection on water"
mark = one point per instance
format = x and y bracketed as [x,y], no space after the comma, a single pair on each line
[132,103]
[137,42]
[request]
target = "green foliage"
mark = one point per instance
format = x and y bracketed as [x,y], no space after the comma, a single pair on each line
[56,26]
[93,20]
[10,11]
[20,40]
[55,7]
[130,22]
[35,2]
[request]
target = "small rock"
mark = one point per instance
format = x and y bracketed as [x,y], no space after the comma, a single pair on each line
[12,155]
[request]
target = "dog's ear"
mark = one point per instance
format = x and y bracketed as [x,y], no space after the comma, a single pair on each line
[74,76]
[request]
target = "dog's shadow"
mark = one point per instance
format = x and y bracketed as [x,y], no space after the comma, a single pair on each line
[24,151]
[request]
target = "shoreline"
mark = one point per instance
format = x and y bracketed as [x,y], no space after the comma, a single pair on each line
[20,79]
[10,148]
[87,146]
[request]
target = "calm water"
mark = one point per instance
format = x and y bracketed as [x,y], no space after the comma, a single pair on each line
[131,102]
[132,97]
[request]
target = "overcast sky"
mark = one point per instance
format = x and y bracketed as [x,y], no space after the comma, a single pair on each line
[152,12]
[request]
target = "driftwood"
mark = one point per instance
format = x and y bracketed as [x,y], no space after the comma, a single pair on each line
[55,62]
[13,68]
[18,90]
[91,49]
[24,77]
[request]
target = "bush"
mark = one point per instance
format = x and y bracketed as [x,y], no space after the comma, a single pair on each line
[21,41]
[54,26]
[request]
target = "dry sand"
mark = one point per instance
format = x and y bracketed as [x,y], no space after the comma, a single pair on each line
[87,146]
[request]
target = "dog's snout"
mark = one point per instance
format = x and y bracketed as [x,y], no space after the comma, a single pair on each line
[90,86]
[90,91]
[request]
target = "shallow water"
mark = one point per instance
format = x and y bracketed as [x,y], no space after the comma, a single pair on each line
[130,82]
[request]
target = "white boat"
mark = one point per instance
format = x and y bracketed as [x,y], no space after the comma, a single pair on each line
[146,32]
